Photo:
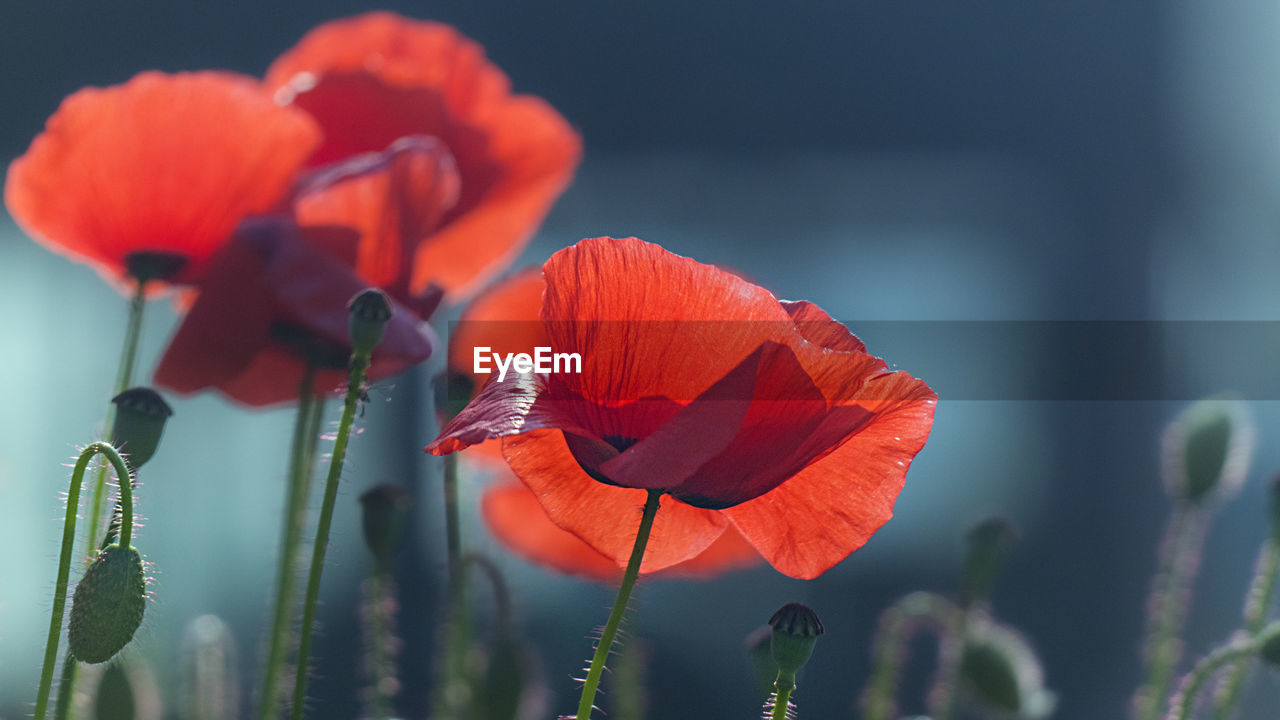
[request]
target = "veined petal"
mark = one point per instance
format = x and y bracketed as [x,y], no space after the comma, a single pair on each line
[809,523]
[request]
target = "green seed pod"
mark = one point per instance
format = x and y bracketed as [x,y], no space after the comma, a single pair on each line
[140,417]
[108,605]
[370,310]
[386,514]
[1000,672]
[1206,451]
[795,631]
[989,544]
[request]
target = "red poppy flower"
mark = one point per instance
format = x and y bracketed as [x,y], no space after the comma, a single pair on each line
[164,164]
[272,298]
[517,520]
[766,415]
[371,79]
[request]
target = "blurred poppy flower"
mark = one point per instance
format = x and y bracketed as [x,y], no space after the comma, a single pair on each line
[372,79]
[273,302]
[151,177]
[768,416]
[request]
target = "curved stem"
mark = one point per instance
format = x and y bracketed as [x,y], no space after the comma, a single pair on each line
[124,376]
[355,381]
[896,627]
[1180,552]
[592,682]
[1183,701]
[1257,602]
[64,561]
[301,457]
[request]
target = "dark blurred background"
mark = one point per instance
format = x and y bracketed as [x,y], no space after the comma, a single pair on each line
[891,161]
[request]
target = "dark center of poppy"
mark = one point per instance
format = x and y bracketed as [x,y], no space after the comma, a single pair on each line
[620,442]
[148,265]
[313,348]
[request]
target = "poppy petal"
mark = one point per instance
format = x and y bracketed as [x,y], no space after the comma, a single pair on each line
[809,523]
[503,318]
[816,326]
[395,199]
[268,294]
[163,163]
[604,516]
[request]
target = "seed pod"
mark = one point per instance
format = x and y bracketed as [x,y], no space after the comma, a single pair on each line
[108,605]
[795,631]
[140,417]
[386,515]
[370,310]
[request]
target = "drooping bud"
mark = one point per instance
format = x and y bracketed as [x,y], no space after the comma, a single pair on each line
[795,631]
[989,544]
[1000,672]
[386,515]
[1269,649]
[370,310]
[211,685]
[1207,450]
[140,417]
[108,605]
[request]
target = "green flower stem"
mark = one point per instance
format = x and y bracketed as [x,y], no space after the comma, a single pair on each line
[592,682]
[1180,552]
[897,626]
[68,548]
[380,640]
[458,629]
[781,700]
[1183,702]
[355,382]
[301,463]
[1257,602]
[124,376]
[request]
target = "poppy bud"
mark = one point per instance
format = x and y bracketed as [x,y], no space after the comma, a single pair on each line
[140,417]
[795,631]
[989,543]
[1002,673]
[1206,450]
[370,310]
[108,605]
[1269,647]
[114,697]
[386,510]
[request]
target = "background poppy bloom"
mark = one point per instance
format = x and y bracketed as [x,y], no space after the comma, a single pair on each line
[372,79]
[748,411]
[161,164]
[272,302]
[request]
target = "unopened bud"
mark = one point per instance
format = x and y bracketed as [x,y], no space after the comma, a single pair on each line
[1206,450]
[989,544]
[386,514]
[1001,672]
[114,699]
[370,310]
[795,631]
[140,417]
[108,605]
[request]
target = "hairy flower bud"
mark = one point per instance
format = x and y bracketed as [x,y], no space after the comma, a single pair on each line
[1001,672]
[385,514]
[795,631]
[140,417]
[1206,450]
[108,605]
[370,310]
